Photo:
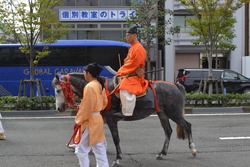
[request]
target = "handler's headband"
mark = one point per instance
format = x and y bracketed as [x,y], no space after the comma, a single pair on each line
[94,69]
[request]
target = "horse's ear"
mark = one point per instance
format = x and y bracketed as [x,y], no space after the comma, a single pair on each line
[57,76]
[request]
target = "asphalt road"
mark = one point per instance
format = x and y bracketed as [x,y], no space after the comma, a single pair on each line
[40,142]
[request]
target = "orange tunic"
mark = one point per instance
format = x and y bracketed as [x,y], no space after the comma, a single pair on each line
[136,58]
[94,100]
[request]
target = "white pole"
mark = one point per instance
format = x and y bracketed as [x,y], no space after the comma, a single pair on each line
[1,126]
[169,49]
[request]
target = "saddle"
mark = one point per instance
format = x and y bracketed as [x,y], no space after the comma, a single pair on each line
[117,81]
[145,101]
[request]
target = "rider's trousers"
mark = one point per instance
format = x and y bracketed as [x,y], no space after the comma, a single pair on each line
[82,152]
[128,102]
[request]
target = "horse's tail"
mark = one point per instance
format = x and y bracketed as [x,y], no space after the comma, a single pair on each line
[181,133]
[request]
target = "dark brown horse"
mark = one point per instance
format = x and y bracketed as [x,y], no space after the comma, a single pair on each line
[170,97]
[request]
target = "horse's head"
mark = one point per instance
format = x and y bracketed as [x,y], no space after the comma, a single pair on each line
[59,95]
[66,87]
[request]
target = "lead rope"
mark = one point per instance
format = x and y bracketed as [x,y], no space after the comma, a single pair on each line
[77,128]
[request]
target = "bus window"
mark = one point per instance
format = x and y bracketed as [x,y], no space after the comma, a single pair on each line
[66,56]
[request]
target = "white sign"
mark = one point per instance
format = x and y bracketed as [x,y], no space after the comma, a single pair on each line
[95,14]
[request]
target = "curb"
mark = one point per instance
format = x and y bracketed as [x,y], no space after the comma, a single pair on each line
[35,113]
[212,110]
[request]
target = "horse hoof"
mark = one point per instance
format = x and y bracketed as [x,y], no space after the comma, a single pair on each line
[158,157]
[194,153]
[116,163]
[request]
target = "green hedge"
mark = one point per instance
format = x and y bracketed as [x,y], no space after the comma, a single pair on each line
[217,100]
[27,103]
[192,100]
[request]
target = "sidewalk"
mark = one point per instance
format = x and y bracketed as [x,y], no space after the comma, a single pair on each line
[213,110]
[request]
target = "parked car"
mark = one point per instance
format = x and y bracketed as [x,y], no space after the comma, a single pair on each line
[233,82]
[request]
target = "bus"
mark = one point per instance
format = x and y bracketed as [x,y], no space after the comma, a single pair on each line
[66,56]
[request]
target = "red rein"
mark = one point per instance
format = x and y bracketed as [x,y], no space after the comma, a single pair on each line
[69,97]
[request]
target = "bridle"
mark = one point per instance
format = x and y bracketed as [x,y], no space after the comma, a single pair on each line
[68,92]
[69,98]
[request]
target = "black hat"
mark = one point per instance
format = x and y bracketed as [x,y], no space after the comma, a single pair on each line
[132,30]
[94,69]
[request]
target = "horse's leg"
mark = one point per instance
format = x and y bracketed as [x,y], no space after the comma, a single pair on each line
[112,123]
[168,131]
[182,127]
[190,139]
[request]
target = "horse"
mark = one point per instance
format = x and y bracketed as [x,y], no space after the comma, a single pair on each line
[169,97]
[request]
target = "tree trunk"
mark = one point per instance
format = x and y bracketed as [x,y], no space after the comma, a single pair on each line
[148,65]
[149,76]
[210,74]
[32,73]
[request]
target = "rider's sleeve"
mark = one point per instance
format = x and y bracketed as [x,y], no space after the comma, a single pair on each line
[129,67]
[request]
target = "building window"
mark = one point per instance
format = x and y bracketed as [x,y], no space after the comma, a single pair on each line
[110,25]
[180,20]
[112,35]
[116,35]
[87,25]
[114,3]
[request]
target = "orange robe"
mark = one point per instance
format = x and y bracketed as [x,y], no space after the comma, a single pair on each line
[136,58]
[94,100]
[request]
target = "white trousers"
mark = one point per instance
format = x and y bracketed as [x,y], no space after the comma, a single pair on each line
[128,102]
[82,152]
[1,126]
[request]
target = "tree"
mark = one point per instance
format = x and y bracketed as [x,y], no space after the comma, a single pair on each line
[30,22]
[213,24]
[147,14]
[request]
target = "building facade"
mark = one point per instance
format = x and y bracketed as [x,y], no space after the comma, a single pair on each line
[105,19]
[187,55]
[95,19]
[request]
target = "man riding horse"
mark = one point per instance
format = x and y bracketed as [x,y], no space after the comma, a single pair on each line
[132,86]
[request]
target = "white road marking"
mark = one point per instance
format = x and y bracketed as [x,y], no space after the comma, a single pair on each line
[212,114]
[218,114]
[235,138]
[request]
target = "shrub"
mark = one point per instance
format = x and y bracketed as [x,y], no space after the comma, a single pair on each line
[192,100]
[27,103]
[217,100]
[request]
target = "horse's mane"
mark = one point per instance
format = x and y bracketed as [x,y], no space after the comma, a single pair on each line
[78,80]
[80,76]
[77,75]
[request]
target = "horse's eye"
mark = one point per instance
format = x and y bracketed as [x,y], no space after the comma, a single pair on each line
[58,91]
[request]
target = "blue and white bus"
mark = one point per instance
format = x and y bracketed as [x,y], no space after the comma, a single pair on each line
[66,56]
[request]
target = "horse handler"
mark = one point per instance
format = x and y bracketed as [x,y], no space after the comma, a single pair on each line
[91,134]
[2,136]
